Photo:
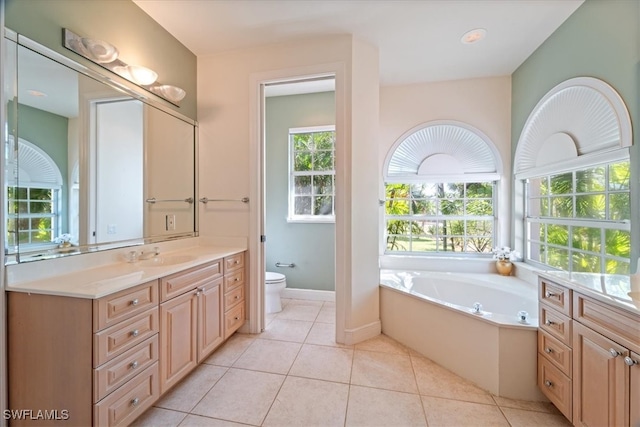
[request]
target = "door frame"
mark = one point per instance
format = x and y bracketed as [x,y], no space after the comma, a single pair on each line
[257,182]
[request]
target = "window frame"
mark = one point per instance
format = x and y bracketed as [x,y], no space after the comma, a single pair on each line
[438,218]
[574,221]
[292,174]
[56,205]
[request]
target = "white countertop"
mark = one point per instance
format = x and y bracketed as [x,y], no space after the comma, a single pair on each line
[104,280]
[613,289]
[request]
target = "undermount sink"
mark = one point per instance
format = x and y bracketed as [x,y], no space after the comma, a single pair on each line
[161,261]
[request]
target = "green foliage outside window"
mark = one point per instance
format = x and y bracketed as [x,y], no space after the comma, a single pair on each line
[31,215]
[562,210]
[440,217]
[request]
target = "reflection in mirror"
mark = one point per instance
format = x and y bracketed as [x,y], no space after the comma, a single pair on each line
[83,160]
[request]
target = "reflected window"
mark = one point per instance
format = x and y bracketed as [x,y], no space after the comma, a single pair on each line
[33,197]
[312,174]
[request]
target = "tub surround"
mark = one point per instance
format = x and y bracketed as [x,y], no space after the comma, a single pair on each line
[499,356]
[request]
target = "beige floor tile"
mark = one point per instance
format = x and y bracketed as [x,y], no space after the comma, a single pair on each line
[185,395]
[198,421]
[269,356]
[299,312]
[455,413]
[231,350]
[241,396]
[323,363]
[523,418]
[547,407]
[434,380]
[329,304]
[268,318]
[158,417]
[375,407]
[324,334]
[383,344]
[287,330]
[327,315]
[383,370]
[308,402]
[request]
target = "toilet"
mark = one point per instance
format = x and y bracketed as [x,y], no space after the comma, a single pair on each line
[274,283]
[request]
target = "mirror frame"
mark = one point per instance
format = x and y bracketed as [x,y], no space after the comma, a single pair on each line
[115,82]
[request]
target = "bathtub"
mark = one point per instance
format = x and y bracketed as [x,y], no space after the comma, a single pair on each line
[433,313]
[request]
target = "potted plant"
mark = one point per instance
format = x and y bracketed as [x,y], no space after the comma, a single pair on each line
[63,240]
[504,257]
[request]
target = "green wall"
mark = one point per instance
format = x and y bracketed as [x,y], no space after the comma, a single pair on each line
[310,246]
[139,39]
[600,39]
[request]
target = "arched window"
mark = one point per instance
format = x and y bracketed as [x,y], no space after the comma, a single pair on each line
[440,190]
[33,195]
[572,165]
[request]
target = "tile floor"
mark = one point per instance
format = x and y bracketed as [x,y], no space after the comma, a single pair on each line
[294,374]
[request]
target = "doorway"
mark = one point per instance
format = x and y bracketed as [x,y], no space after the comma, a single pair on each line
[299,191]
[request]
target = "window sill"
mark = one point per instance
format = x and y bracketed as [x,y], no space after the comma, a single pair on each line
[312,220]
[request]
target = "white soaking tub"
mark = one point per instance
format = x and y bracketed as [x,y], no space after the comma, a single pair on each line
[470,323]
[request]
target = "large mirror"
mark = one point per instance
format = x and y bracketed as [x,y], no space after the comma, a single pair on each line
[90,164]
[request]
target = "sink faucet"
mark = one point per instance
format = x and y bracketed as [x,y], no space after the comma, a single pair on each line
[149,255]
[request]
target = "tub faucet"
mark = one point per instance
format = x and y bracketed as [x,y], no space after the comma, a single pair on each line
[522,317]
[477,308]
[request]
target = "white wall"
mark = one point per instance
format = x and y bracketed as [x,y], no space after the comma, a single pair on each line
[228,102]
[483,103]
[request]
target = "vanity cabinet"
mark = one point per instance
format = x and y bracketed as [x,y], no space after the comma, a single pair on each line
[594,378]
[191,319]
[93,361]
[234,293]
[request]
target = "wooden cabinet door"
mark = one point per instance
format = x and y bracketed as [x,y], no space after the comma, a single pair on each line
[209,318]
[178,338]
[635,390]
[600,380]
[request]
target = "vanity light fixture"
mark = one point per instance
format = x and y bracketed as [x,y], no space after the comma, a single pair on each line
[473,36]
[106,55]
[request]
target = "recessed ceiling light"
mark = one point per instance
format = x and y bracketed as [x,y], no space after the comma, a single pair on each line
[473,36]
[37,93]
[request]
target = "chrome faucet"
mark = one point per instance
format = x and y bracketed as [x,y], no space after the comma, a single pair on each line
[149,255]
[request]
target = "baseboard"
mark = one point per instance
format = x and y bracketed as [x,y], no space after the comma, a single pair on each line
[363,333]
[308,294]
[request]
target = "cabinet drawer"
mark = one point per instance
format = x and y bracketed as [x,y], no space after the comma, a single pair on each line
[176,284]
[234,262]
[121,369]
[233,280]
[618,325]
[119,338]
[233,297]
[556,386]
[555,296]
[556,324]
[128,402]
[556,352]
[114,308]
[233,319]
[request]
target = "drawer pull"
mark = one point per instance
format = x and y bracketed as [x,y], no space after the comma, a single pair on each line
[614,352]
[237,296]
[550,294]
[135,302]
[548,350]
[548,383]
[236,279]
[133,364]
[135,401]
[237,262]
[629,361]
[135,333]
[237,318]
[549,323]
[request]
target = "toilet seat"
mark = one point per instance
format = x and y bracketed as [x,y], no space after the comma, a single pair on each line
[271,278]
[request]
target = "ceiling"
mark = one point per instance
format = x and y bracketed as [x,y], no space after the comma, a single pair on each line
[418,40]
